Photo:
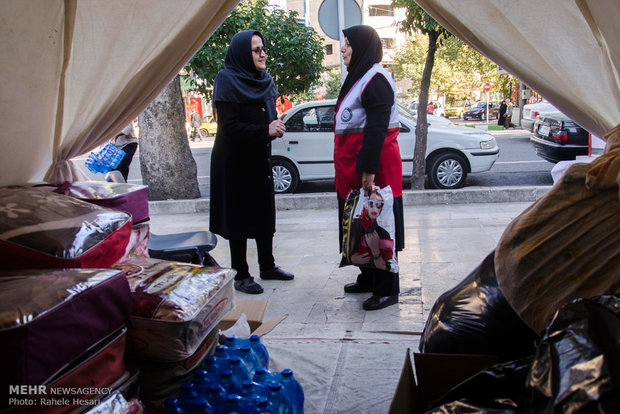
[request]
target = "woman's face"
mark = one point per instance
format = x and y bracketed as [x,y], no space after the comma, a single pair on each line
[375,205]
[258,53]
[347,52]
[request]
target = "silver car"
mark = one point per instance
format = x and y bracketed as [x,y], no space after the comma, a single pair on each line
[306,151]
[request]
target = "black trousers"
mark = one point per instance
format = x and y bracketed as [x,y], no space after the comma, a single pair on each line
[238,255]
[123,167]
[380,282]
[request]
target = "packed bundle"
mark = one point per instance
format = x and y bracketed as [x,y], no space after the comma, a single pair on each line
[174,306]
[130,198]
[62,328]
[42,229]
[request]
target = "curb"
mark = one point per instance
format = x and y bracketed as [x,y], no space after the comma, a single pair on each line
[410,198]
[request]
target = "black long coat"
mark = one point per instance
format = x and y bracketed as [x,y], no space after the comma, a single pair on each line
[242,204]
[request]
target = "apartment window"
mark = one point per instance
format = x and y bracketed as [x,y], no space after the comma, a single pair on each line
[381,10]
[329,49]
[388,43]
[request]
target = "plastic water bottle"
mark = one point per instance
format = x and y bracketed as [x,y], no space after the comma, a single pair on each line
[221,357]
[293,390]
[263,406]
[216,395]
[239,369]
[249,357]
[201,381]
[278,398]
[251,390]
[213,371]
[201,406]
[260,350]
[229,384]
[263,376]
[233,404]
[171,406]
[187,395]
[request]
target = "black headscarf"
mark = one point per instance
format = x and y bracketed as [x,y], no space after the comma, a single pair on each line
[366,51]
[240,81]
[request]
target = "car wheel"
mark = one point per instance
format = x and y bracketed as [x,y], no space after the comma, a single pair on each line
[285,176]
[448,171]
[483,116]
[204,133]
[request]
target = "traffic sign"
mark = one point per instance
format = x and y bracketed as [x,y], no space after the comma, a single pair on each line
[328,16]
[487,87]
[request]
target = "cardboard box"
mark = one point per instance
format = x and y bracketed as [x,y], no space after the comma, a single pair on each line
[255,311]
[436,374]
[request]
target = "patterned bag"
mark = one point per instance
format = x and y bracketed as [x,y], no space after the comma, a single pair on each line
[369,230]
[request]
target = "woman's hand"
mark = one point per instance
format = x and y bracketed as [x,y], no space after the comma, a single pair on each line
[360,259]
[277,128]
[373,243]
[368,181]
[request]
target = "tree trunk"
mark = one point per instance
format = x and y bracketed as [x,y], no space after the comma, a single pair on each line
[421,130]
[167,165]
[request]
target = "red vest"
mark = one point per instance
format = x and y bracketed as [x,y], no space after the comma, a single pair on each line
[349,125]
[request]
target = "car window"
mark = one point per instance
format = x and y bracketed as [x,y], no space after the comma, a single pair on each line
[316,119]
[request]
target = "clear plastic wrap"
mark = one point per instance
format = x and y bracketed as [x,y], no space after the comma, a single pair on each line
[28,295]
[51,318]
[174,306]
[130,198]
[42,229]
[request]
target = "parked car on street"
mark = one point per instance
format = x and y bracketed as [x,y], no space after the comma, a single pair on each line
[439,109]
[531,111]
[479,111]
[209,127]
[306,151]
[431,119]
[558,138]
[455,111]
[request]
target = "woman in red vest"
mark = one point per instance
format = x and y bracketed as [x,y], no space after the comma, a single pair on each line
[366,149]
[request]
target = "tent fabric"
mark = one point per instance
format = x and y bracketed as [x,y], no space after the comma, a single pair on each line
[567,50]
[566,245]
[75,72]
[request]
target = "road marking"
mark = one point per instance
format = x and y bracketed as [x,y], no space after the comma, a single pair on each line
[519,162]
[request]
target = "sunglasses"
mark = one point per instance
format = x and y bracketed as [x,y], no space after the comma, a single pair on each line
[374,203]
[258,50]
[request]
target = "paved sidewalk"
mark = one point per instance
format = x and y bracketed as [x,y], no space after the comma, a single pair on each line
[349,360]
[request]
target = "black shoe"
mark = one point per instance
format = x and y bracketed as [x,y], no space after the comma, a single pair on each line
[248,285]
[276,273]
[356,288]
[379,302]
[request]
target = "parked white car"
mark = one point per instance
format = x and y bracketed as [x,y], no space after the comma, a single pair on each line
[531,111]
[306,151]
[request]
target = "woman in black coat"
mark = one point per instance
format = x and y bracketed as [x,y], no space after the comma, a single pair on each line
[242,204]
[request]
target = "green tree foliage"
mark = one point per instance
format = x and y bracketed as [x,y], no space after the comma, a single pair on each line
[294,50]
[458,71]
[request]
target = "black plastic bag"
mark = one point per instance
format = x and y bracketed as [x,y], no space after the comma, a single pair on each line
[475,318]
[577,364]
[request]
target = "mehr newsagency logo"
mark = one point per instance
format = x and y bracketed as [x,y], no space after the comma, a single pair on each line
[346,115]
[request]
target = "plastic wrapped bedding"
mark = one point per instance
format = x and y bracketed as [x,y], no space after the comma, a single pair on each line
[174,306]
[42,229]
[49,318]
[130,198]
